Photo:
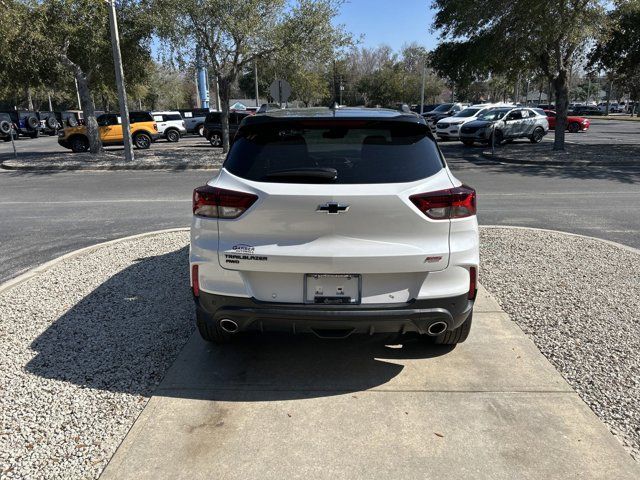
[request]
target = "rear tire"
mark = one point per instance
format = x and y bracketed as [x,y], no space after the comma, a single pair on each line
[459,335]
[536,136]
[172,136]
[200,130]
[573,127]
[216,139]
[142,141]
[210,331]
[35,134]
[79,145]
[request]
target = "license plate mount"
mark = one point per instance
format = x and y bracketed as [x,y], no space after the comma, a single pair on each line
[332,289]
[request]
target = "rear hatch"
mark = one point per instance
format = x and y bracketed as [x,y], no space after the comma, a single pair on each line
[333,197]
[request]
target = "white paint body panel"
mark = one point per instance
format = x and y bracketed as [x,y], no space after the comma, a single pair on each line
[382,237]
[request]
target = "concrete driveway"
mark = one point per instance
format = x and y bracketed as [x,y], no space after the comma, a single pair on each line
[287,407]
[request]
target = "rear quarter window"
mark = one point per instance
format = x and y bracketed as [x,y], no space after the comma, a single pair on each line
[381,152]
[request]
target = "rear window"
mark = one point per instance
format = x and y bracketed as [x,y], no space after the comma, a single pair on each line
[382,152]
[135,117]
[213,118]
[172,116]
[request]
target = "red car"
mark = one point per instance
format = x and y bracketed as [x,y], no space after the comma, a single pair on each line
[574,124]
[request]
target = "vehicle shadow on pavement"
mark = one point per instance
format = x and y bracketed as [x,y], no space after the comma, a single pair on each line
[127,333]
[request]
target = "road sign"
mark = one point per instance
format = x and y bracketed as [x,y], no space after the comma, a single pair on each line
[280,90]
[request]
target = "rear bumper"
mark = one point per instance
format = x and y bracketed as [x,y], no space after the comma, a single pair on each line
[253,315]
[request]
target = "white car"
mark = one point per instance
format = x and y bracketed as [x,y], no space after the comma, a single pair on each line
[333,222]
[170,125]
[449,128]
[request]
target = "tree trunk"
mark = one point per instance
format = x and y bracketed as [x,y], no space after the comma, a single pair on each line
[224,89]
[29,100]
[608,99]
[561,87]
[89,112]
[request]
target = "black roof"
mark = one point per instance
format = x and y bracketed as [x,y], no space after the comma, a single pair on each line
[345,113]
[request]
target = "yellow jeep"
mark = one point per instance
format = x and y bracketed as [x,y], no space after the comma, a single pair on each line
[144,131]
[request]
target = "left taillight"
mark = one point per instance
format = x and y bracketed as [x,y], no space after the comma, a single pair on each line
[155,127]
[213,202]
[458,202]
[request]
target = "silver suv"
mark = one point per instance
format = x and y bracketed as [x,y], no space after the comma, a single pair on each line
[506,123]
[171,125]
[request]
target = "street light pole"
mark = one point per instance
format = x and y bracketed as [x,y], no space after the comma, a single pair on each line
[424,74]
[122,93]
[255,74]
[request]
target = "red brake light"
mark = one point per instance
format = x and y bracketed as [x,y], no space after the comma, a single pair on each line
[195,281]
[473,287]
[155,127]
[216,202]
[458,202]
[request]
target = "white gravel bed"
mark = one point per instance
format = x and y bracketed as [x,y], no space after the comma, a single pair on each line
[579,300]
[78,365]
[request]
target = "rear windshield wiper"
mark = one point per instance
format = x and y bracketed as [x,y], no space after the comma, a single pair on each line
[304,175]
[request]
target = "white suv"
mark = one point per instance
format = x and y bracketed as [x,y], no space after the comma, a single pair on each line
[334,222]
[449,128]
[170,125]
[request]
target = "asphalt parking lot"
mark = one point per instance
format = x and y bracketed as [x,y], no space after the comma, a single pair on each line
[47,214]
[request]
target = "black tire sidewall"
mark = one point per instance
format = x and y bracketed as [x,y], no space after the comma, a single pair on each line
[218,140]
[145,144]
[172,136]
[78,142]
[573,127]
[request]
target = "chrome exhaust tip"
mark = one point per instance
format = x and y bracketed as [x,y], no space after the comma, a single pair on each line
[228,325]
[437,328]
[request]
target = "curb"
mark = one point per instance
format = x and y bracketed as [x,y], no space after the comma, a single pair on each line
[47,265]
[610,242]
[62,168]
[555,163]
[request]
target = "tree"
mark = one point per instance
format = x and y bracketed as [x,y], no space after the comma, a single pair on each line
[502,36]
[618,51]
[232,34]
[78,31]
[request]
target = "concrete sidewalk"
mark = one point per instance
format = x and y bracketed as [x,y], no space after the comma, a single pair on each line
[279,408]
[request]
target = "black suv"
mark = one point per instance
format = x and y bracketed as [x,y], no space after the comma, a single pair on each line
[213,126]
[48,122]
[27,123]
[6,127]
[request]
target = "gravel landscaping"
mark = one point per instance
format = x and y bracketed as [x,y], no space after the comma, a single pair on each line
[79,364]
[578,299]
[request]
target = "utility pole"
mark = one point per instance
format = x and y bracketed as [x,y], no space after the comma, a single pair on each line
[122,93]
[424,75]
[77,93]
[255,75]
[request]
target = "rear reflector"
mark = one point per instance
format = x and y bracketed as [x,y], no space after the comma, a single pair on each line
[216,202]
[473,287]
[195,281]
[459,202]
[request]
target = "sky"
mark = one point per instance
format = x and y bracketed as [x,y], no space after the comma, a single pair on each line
[390,22]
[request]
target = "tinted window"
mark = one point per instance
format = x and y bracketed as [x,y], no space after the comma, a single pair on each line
[363,153]
[135,117]
[445,107]
[172,116]
[213,118]
[467,112]
[200,112]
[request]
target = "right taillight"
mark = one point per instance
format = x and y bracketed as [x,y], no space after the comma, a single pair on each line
[216,202]
[458,202]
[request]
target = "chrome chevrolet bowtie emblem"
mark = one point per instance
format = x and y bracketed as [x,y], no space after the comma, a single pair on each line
[332,208]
